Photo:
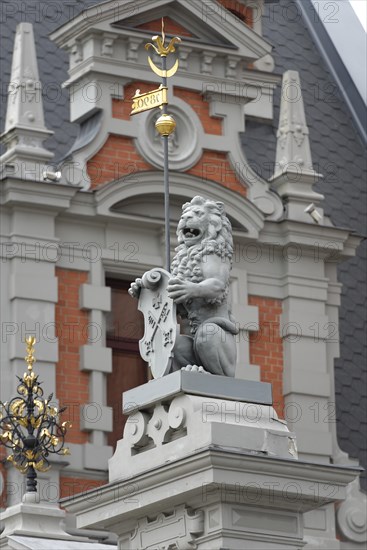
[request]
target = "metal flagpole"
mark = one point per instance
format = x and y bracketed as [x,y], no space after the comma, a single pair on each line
[165,124]
[165,138]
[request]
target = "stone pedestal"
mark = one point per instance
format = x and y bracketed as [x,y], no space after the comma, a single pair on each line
[195,471]
[30,518]
[31,525]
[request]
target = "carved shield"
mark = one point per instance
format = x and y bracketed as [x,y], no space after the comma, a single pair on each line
[156,347]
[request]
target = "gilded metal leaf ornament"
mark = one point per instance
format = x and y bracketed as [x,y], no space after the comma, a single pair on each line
[30,427]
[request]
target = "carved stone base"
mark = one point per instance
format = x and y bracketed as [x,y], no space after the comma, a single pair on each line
[201,472]
[166,423]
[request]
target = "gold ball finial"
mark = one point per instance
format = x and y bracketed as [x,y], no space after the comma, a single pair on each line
[165,125]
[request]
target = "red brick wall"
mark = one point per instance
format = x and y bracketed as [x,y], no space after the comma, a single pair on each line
[71,326]
[242,12]
[266,346]
[116,159]
[211,125]
[170,27]
[173,27]
[215,166]
[121,108]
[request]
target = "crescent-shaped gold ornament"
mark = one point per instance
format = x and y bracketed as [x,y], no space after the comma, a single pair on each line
[160,72]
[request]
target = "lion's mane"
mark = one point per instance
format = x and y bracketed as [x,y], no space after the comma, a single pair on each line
[217,239]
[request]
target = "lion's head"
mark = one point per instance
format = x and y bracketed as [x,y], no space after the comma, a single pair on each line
[203,229]
[203,220]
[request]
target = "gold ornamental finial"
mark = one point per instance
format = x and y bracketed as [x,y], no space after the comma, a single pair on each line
[165,124]
[163,33]
[160,47]
[30,427]
[30,358]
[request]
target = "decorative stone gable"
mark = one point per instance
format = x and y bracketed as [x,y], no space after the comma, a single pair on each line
[214,90]
[102,225]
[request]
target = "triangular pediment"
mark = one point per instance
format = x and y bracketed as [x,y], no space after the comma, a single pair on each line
[205,24]
[178,20]
[171,26]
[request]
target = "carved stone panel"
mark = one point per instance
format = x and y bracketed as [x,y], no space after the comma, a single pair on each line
[169,531]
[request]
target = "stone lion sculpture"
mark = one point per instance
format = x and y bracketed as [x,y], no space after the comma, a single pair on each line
[199,286]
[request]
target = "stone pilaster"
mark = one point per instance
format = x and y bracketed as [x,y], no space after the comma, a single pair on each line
[29,244]
[97,359]
[28,268]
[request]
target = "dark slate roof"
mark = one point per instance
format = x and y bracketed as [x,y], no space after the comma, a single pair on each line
[317,22]
[336,148]
[338,153]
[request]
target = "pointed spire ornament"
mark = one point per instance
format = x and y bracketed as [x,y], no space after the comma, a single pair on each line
[294,174]
[25,130]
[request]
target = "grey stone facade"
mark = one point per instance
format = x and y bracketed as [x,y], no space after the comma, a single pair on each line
[309,288]
[338,153]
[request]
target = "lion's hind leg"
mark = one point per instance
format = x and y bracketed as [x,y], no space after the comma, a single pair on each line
[215,349]
[183,352]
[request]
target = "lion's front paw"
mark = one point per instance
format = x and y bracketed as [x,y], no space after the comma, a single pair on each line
[194,368]
[181,291]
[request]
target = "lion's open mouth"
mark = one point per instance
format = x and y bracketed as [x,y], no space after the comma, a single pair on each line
[191,233]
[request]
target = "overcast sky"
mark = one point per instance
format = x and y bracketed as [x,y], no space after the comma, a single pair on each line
[360,7]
